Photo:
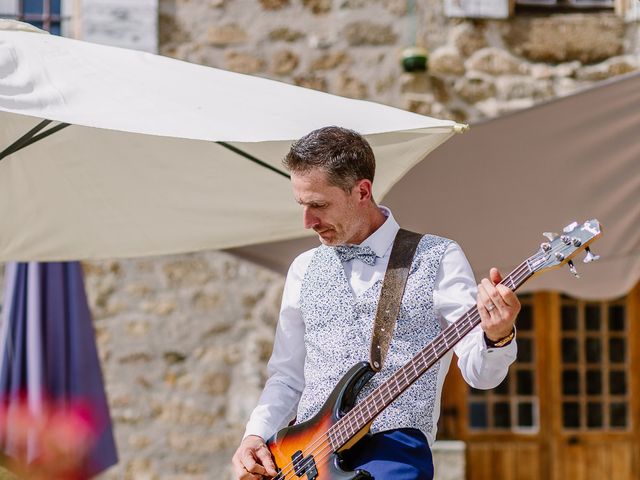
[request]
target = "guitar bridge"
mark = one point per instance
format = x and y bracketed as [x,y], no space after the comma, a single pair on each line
[304,465]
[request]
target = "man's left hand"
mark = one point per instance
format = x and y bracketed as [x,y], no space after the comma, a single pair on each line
[498,306]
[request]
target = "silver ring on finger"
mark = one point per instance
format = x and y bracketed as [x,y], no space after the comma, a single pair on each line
[490,307]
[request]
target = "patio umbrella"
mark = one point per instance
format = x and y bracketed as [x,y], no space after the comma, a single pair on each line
[49,369]
[107,152]
[498,187]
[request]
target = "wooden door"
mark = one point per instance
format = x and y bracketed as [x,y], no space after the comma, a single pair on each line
[596,416]
[569,407]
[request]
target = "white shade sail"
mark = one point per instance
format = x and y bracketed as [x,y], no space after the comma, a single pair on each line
[497,188]
[160,155]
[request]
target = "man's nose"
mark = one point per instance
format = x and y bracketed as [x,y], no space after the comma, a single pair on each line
[309,219]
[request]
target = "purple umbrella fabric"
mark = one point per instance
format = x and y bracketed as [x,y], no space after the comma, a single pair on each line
[48,353]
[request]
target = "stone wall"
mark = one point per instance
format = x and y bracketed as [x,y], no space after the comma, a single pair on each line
[183,341]
[478,68]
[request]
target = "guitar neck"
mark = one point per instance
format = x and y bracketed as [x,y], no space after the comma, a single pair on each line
[369,408]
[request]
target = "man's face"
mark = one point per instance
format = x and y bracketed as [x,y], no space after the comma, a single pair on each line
[330,211]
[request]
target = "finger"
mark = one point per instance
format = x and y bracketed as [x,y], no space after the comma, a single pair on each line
[240,471]
[495,275]
[264,455]
[488,305]
[493,294]
[250,465]
[482,310]
[508,296]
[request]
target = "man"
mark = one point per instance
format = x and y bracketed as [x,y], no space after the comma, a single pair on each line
[328,309]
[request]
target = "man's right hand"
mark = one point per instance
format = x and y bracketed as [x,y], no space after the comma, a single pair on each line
[252,460]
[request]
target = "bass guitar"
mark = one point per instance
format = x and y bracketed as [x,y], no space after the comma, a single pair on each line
[311,450]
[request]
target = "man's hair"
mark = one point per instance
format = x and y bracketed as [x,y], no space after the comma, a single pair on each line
[344,155]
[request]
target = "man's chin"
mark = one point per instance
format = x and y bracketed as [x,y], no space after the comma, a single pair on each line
[327,239]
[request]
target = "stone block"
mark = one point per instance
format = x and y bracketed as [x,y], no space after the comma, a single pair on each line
[205,301]
[351,87]
[135,357]
[215,383]
[284,62]
[475,88]
[329,61]
[137,328]
[140,469]
[386,83]
[318,7]
[242,63]
[274,4]
[607,69]
[468,38]
[225,35]
[440,88]
[422,104]
[414,83]
[493,107]
[139,441]
[510,88]
[180,413]
[369,33]
[189,271]
[314,82]
[171,31]
[285,34]
[495,61]
[588,38]
[446,61]
[173,357]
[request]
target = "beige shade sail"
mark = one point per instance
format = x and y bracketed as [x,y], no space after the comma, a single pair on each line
[151,155]
[496,189]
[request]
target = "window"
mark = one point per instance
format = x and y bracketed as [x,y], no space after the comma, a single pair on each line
[507,8]
[512,405]
[44,14]
[594,356]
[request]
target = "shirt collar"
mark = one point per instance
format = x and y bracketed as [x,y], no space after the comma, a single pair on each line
[382,239]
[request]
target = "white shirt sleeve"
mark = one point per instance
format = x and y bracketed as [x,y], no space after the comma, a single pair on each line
[278,402]
[454,294]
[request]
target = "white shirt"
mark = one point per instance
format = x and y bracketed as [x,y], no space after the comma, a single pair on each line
[454,294]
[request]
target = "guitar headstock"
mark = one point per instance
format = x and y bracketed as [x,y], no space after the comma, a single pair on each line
[561,249]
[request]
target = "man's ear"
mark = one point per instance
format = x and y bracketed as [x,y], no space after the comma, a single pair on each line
[364,189]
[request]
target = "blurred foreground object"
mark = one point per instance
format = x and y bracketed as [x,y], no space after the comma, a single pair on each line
[54,418]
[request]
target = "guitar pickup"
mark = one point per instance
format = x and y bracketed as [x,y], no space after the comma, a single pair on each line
[304,465]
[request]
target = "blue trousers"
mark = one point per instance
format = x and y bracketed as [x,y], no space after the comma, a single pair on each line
[401,454]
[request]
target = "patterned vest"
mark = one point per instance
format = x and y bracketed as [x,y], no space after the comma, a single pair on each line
[338,335]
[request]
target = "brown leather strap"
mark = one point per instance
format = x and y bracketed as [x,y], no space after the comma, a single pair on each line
[395,280]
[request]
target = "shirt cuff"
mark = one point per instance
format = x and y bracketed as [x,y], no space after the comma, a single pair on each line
[261,429]
[509,349]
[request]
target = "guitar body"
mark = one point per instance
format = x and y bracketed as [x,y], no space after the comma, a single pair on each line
[304,451]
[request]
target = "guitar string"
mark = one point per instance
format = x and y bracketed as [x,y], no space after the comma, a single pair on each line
[339,430]
[424,358]
[326,436]
[353,414]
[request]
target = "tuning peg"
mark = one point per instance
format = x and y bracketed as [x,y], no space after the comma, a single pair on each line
[550,235]
[572,269]
[590,257]
[570,228]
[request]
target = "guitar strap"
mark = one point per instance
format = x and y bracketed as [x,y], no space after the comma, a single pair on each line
[395,280]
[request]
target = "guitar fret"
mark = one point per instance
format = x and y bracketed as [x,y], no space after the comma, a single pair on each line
[404,377]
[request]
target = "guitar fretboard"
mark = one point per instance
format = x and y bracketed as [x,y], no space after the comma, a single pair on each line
[369,408]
